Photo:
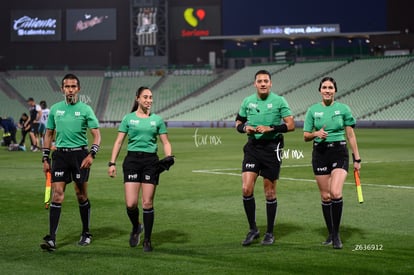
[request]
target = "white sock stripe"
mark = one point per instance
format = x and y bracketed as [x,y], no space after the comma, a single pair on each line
[55,206]
[248,198]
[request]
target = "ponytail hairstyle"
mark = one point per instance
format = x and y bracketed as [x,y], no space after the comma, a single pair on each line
[138,93]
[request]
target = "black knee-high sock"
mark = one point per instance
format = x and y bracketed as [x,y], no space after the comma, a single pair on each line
[85,211]
[54,216]
[271,210]
[327,214]
[133,214]
[148,217]
[337,205]
[250,210]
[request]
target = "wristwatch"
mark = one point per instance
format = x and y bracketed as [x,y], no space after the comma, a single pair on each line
[111,164]
[355,160]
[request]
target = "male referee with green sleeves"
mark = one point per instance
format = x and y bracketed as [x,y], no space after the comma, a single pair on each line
[71,161]
[260,117]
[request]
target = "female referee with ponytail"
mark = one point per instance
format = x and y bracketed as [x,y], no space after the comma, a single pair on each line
[141,162]
[326,124]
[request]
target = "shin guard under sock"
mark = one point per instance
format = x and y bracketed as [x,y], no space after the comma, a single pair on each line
[337,205]
[250,210]
[54,216]
[133,214]
[148,218]
[271,210]
[85,212]
[327,215]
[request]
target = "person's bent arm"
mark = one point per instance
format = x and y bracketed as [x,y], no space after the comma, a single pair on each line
[47,143]
[356,159]
[166,144]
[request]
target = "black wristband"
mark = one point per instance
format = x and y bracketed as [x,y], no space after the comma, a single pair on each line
[111,164]
[94,150]
[240,128]
[45,155]
[280,128]
[355,160]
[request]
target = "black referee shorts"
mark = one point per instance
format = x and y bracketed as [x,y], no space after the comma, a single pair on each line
[263,157]
[66,166]
[140,167]
[34,128]
[327,156]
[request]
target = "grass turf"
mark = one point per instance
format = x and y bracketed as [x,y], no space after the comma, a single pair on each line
[199,218]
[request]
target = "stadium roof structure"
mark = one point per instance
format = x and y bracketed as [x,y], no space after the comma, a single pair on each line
[256,38]
[272,38]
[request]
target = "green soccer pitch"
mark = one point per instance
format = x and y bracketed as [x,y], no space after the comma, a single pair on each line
[199,216]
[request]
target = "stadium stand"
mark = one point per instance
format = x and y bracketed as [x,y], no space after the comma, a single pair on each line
[176,87]
[11,107]
[375,88]
[91,87]
[231,84]
[353,75]
[393,87]
[401,111]
[122,94]
[35,86]
[301,73]
[284,79]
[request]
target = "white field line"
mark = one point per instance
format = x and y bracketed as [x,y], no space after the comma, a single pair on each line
[226,171]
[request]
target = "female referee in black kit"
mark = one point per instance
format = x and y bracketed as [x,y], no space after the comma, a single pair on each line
[140,164]
[326,124]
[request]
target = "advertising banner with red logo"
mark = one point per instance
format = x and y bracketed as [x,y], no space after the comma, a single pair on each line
[91,24]
[188,22]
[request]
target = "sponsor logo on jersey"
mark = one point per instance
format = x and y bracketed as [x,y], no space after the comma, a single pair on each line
[60,113]
[318,114]
[77,114]
[253,105]
[153,123]
[133,122]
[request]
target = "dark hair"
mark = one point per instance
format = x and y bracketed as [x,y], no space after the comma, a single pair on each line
[137,94]
[328,78]
[43,104]
[71,76]
[263,72]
